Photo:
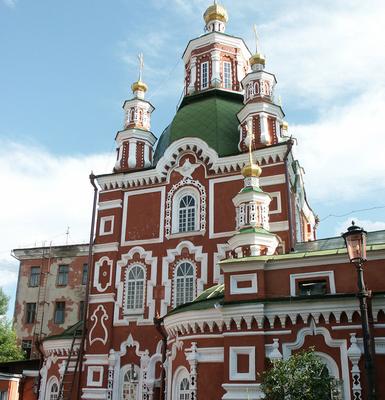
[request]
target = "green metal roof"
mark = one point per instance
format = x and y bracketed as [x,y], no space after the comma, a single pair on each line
[210,116]
[69,333]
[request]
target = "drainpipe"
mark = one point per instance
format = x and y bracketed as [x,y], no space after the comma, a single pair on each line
[285,159]
[160,328]
[86,300]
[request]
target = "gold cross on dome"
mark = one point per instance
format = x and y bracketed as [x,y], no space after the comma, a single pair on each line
[141,65]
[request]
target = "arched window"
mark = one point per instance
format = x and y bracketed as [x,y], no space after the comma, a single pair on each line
[54,391]
[135,289]
[184,283]
[130,384]
[184,390]
[187,214]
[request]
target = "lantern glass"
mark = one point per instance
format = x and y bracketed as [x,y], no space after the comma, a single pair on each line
[355,240]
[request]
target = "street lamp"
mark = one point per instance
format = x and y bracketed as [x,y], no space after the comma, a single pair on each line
[355,241]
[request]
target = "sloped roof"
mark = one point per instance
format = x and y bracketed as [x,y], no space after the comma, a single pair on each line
[69,333]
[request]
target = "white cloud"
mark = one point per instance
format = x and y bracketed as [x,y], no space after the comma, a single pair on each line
[342,152]
[9,272]
[10,3]
[368,225]
[45,194]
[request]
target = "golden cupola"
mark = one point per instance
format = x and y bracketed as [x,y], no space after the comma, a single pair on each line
[215,18]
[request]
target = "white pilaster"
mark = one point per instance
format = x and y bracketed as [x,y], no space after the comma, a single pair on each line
[216,68]
[132,154]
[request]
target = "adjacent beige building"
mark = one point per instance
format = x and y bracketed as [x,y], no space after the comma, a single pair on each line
[50,292]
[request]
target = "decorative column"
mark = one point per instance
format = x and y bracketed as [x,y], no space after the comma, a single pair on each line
[354,354]
[110,378]
[275,354]
[193,75]
[216,68]
[192,358]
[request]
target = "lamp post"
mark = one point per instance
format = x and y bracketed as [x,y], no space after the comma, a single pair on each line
[355,241]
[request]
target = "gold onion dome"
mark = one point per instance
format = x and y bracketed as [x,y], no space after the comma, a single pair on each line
[251,170]
[215,12]
[257,58]
[285,125]
[139,85]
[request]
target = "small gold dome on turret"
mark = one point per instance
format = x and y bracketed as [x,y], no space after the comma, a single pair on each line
[251,170]
[139,85]
[257,58]
[285,125]
[215,12]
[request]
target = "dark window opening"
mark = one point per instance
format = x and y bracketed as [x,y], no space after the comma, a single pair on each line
[30,313]
[311,288]
[59,312]
[34,277]
[26,346]
[81,310]
[62,276]
[85,274]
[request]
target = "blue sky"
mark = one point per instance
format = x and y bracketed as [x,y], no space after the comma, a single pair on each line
[67,66]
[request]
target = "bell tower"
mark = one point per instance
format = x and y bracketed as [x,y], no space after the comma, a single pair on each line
[135,142]
[253,237]
[260,116]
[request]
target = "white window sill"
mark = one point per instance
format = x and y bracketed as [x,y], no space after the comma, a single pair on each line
[183,234]
[134,313]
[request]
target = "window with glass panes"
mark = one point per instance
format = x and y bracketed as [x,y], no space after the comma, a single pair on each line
[26,345]
[59,312]
[54,392]
[184,390]
[204,75]
[184,283]
[227,78]
[62,275]
[34,277]
[135,288]
[3,395]
[187,214]
[30,312]
[85,274]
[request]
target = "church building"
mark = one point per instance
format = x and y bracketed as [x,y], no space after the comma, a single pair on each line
[205,265]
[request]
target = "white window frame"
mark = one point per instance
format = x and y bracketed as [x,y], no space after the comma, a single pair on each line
[180,374]
[186,191]
[137,310]
[90,376]
[53,381]
[177,266]
[124,370]
[205,84]
[227,83]
[233,359]
[308,275]
[103,223]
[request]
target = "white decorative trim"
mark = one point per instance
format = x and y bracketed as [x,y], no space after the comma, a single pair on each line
[103,318]
[313,330]
[105,247]
[218,256]
[235,279]
[98,265]
[306,275]
[151,264]
[94,394]
[276,195]
[96,359]
[208,354]
[102,298]
[180,374]
[159,239]
[240,391]
[198,257]
[180,189]
[90,376]
[102,227]
[279,226]
[234,375]
[110,204]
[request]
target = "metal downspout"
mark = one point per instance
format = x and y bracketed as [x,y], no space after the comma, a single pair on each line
[90,248]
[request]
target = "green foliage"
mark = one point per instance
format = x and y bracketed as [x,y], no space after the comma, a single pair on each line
[302,376]
[9,350]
